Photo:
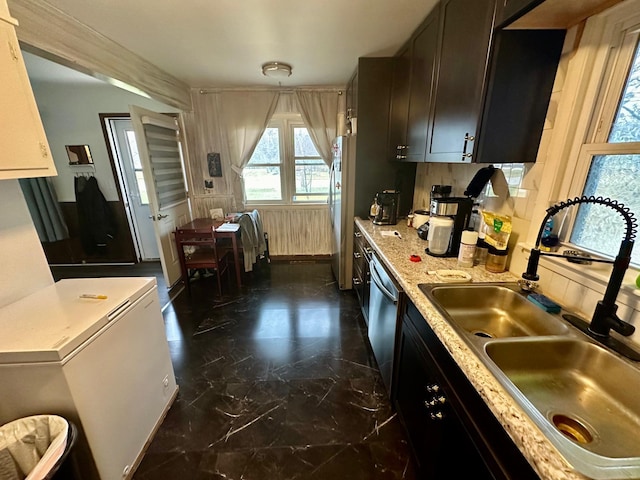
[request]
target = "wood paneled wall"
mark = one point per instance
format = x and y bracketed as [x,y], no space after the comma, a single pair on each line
[297,232]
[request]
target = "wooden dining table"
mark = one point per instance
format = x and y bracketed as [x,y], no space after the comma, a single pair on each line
[204,226]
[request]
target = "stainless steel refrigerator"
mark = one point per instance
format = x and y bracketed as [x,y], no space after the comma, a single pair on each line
[341,206]
[358,173]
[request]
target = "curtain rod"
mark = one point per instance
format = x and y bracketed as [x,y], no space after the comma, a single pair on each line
[205,91]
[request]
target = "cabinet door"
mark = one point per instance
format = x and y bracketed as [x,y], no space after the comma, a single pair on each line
[441,446]
[465,34]
[423,66]
[399,105]
[25,151]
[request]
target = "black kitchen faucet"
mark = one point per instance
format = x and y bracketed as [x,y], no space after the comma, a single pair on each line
[604,317]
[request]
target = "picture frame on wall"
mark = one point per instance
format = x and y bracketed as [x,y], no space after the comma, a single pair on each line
[214,164]
[79,154]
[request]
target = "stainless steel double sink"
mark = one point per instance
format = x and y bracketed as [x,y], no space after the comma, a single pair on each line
[584,398]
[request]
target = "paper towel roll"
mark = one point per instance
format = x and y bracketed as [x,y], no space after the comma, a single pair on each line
[354,125]
[341,124]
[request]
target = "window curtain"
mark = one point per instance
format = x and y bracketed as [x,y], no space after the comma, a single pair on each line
[243,118]
[319,111]
[44,209]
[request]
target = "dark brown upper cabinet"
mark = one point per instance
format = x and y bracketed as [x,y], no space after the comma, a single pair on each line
[476,93]
[517,96]
[399,107]
[464,45]
[413,81]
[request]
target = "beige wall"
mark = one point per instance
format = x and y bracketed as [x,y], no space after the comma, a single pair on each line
[24,266]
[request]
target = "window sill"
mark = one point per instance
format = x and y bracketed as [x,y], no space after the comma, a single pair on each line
[594,276]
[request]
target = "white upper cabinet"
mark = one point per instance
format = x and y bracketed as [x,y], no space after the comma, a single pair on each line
[24,150]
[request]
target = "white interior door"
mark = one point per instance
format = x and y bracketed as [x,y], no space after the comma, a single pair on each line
[158,142]
[135,187]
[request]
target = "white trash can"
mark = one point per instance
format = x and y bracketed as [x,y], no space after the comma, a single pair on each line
[36,448]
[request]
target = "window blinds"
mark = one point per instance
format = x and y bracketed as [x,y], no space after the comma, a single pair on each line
[166,164]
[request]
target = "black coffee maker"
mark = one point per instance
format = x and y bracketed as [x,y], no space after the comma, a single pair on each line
[386,207]
[459,209]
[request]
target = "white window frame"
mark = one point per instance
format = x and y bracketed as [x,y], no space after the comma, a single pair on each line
[620,48]
[599,74]
[286,124]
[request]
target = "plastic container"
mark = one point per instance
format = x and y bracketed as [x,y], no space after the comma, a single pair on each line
[439,237]
[482,250]
[467,250]
[496,260]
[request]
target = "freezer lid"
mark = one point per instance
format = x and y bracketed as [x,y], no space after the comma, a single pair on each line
[51,323]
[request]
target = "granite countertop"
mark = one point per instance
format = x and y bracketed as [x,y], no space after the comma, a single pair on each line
[395,252]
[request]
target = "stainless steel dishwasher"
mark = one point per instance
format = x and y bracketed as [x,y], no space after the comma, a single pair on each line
[385,303]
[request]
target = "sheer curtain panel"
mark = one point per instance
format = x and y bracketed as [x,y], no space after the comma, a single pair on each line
[319,111]
[243,119]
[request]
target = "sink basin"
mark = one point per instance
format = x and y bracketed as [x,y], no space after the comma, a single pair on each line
[493,311]
[582,396]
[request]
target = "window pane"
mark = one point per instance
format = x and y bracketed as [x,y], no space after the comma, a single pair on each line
[303,146]
[268,148]
[312,181]
[133,149]
[626,126]
[142,188]
[262,183]
[600,228]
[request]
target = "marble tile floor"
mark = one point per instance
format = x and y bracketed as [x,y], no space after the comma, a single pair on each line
[276,382]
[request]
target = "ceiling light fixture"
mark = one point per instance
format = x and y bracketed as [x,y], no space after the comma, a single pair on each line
[276,70]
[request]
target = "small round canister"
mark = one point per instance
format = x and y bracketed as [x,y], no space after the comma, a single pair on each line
[496,260]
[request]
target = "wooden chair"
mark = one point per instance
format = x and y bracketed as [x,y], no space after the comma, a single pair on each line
[204,255]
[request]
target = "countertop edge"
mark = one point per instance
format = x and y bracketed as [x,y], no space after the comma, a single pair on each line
[535,447]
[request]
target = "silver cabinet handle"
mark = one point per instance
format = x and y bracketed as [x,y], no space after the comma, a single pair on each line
[356,281]
[357,234]
[436,402]
[368,250]
[357,255]
[467,138]
[436,416]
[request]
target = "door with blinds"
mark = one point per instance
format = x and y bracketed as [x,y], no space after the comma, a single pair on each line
[158,140]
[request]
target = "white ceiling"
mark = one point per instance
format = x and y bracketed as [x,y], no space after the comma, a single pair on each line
[208,43]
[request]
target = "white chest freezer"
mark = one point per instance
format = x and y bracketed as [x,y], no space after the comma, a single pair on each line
[93,351]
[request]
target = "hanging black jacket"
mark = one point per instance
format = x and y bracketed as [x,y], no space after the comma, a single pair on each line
[95,217]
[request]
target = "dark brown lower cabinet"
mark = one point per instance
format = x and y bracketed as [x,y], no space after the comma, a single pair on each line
[452,432]
[361,275]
